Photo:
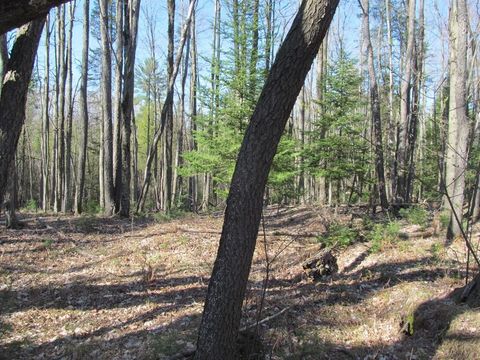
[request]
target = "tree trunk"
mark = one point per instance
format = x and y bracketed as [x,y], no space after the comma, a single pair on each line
[46,120]
[131,26]
[19,12]
[107,111]
[83,111]
[375,108]
[402,163]
[169,126]
[458,127]
[221,317]
[119,78]
[67,191]
[14,94]
[163,117]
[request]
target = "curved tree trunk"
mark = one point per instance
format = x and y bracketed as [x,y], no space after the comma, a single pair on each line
[221,317]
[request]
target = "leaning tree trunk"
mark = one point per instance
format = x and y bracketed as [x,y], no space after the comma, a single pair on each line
[221,317]
[14,94]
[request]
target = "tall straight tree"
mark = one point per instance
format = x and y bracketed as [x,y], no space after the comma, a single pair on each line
[375,107]
[13,96]
[221,316]
[80,184]
[169,127]
[402,161]
[458,126]
[46,120]
[131,31]
[106,81]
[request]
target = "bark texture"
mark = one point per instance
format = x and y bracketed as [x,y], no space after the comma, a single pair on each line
[221,317]
[19,12]
[14,94]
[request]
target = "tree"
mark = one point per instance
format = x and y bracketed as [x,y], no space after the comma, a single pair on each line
[221,316]
[405,113]
[107,141]
[14,94]
[83,111]
[458,126]
[375,108]
[17,13]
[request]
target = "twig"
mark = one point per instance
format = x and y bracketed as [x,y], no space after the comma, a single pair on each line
[267,319]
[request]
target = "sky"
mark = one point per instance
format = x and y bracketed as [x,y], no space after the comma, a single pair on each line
[346,25]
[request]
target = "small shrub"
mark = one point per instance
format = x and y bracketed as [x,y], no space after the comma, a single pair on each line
[444,219]
[92,207]
[339,235]
[415,215]
[47,243]
[31,205]
[436,249]
[383,235]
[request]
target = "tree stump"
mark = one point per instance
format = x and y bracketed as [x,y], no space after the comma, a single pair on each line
[322,264]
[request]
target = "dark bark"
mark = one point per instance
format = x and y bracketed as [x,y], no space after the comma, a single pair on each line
[221,317]
[14,94]
[19,12]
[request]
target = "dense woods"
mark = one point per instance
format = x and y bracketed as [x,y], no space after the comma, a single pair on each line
[128,109]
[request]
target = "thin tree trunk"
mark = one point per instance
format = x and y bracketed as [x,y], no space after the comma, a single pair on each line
[402,161]
[106,81]
[119,75]
[131,24]
[169,128]
[80,184]
[46,120]
[193,180]
[163,117]
[67,191]
[221,316]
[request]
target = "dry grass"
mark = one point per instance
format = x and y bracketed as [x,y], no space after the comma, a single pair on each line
[81,288]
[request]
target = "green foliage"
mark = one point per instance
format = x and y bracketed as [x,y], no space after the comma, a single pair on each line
[338,150]
[339,235]
[382,235]
[281,180]
[31,205]
[173,214]
[415,215]
[47,244]
[92,207]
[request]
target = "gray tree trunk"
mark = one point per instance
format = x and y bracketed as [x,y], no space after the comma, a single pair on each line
[80,184]
[375,109]
[106,81]
[458,126]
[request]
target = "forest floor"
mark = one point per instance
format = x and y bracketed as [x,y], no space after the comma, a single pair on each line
[107,288]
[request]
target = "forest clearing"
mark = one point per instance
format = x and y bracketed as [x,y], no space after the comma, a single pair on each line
[102,288]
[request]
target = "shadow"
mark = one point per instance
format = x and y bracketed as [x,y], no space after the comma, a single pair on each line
[79,296]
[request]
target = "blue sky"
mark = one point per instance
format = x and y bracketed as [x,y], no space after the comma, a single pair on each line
[347,20]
